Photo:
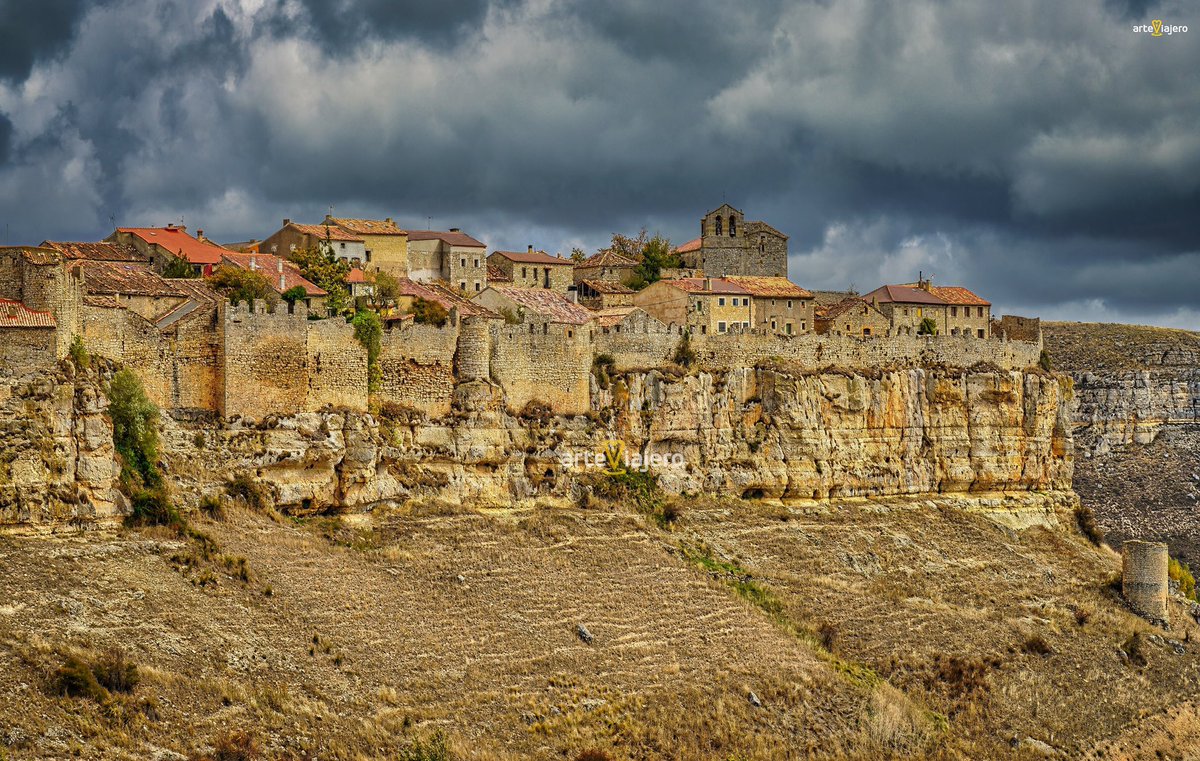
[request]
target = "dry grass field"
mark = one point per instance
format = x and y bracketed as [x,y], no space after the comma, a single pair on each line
[739,631]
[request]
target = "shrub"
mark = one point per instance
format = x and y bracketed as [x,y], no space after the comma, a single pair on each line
[235,746]
[536,411]
[1179,572]
[153,507]
[928,327]
[135,428]
[1036,644]
[368,330]
[433,749]
[604,367]
[75,679]
[827,634]
[510,317]
[243,285]
[244,487]
[685,355]
[1082,615]
[179,267]
[428,312]
[1085,518]
[115,672]
[212,506]
[1044,361]
[593,755]
[79,353]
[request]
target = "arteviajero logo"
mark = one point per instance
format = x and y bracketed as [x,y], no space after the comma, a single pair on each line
[1157,28]
[615,459]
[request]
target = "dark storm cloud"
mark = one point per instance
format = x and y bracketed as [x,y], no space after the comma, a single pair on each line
[1043,153]
[32,31]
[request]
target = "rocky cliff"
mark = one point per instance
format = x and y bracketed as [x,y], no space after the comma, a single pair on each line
[57,465]
[767,432]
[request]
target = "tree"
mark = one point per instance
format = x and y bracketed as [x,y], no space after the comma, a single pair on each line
[928,327]
[428,312]
[179,267]
[578,254]
[657,255]
[630,248]
[385,289]
[243,285]
[368,330]
[135,428]
[294,294]
[328,273]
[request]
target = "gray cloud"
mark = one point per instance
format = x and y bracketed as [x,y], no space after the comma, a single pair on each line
[1044,154]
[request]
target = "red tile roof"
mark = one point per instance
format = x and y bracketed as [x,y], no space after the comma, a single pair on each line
[367,226]
[546,303]
[14,314]
[533,257]
[125,278]
[496,275]
[268,266]
[106,251]
[715,285]
[902,294]
[607,259]
[691,245]
[179,243]
[953,294]
[771,287]
[356,277]
[444,296]
[332,232]
[610,316]
[451,238]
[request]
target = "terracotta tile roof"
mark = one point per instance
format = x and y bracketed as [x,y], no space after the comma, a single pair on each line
[451,238]
[533,257]
[14,314]
[195,288]
[35,254]
[106,302]
[496,275]
[125,278]
[771,287]
[610,316]
[268,266]
[105,251]
[444,296]
[366,226]
[179,243]
[953,294]
[901,294]
[547,304]
[843,306]
[356,277]
[607,286]
[691,245]
[716,285]
[607,259]
[333,232]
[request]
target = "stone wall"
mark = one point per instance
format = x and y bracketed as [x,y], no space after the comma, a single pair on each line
[543,362]
[28,347]
[337,366]
[417,362]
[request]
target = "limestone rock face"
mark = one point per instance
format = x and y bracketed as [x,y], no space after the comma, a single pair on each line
[1131,406]
[755,432]
[57,463]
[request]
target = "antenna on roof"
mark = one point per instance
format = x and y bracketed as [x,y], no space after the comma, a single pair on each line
[429,223]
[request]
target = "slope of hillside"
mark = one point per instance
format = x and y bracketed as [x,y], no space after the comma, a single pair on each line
[864,628]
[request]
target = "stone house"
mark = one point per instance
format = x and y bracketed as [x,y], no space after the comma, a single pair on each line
[133,286]
[452,256]
[627,319]
[450,299]
[778,305]
[331,239]
[358,284]
[27,337]
[535,269]
[967,314]
[161,245]
[103,251]
[606,265]
[702,305]
[42,281]
[385,246]
[907,306]
[282,274]
[600,294]
[852,317]
[728,245]
[539,308]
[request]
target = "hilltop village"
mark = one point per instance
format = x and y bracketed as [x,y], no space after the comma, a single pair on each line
[330,314]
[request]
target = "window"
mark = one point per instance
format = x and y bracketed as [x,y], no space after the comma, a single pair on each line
[718,225]
[699,306]
[788,328]
[981,331]
[789,305]
[920,312]
[721,301]
[847,327]
[732,226]
[773,326]
[773,302]
[476,262]
[343,246]
[804,326]
[570,333]
[524,273]
[980,314]
[906,311]
[476,285]
[368,255]
[462,286]
[762,244]
[292,247]
[954,311]
[721,328]
[462,263]
[866,331]
[703,330]
[745,323]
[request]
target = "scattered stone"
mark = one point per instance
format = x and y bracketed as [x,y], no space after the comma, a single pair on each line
[1036,747]
[584,634]
[461,579]
[591,704]
[754,701]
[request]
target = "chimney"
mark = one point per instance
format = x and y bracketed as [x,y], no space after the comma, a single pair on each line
[170,225]
[253,266]
[388,220]
[708,283]
[199,233]
[286,221]
[455,230]
[281,280]
[531,248]
[279,266]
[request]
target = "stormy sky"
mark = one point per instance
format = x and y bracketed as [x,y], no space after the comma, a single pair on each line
[1042,153]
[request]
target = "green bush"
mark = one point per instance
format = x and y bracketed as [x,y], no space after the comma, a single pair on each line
[1044,361]
[153,507]
[368,330]
[244,487]
[79,353]
[604,367]
[928,327]
[135,429]
[294,294]
[685,355]
[112,672]
[179,267]
[433,749]
[1179,572]
[428,312]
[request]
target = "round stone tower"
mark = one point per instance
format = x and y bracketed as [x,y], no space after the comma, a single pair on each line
[1144,578]
[472,359]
